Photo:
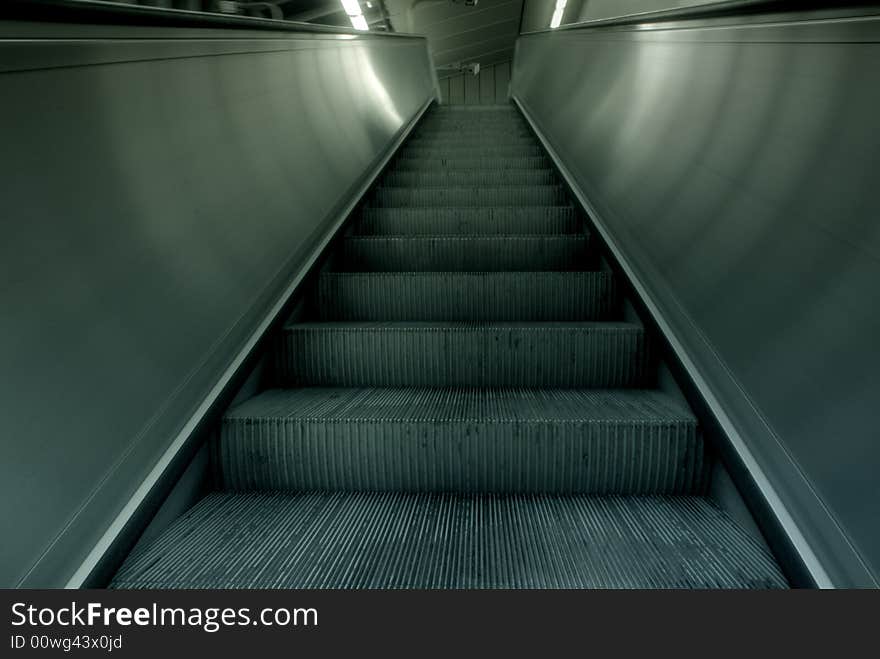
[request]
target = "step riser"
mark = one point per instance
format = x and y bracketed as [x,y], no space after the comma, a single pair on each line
[468,221]
[467,297]
[450,179]
[458,142]
[465,456]
[476,254]
[455,164]
[428,357]
[510,196]
[471,133]
[471,151]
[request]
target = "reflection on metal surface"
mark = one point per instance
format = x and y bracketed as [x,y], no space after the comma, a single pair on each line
[735,169]
[157,206]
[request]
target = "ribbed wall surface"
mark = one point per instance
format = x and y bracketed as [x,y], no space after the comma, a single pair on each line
[459,405]
[466,296]
[411,354]
[398,540]
[465,253]
[461,440]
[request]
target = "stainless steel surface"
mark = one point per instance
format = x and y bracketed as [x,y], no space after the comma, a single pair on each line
[538,13]
[332,19]
[155,209]
[734,171]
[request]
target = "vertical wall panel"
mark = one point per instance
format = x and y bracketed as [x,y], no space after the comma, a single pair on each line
[502,81]
[154,211]
[456,90]
[488,87]
[444,90]
[734,166]
[472,90]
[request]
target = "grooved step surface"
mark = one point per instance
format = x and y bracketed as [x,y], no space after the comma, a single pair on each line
[472,151]
[453,220]
[522,195]
[461,440]
[437,165]
[454,140]
[435,179]
[467,296]
[475,132]
[395,540]
[465,253]
[498,122]
[465,412]
[463,355]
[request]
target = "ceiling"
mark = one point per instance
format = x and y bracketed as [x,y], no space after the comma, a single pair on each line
[458,33]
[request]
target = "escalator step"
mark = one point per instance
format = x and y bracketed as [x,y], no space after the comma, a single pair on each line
[465,131]
[466,296]
[437,165]
[461,440]
[469,221]
[465,411]
[454,140]
[449,178]
[513,195]
[473,151]
[465,253]
[399,540]
[400,354]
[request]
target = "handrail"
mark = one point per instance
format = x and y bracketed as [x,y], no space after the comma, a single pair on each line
[723,9]
[119,13]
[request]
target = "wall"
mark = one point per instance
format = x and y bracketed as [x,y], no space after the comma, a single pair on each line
[488,87]
[537,13]
[161,188]
[734,169]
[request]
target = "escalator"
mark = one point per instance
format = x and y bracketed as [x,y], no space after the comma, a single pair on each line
[461,402]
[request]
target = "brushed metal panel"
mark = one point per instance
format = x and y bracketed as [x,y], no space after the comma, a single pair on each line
[154,208]
[735,168]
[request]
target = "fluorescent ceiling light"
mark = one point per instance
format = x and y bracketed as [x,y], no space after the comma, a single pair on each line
[557,14]
[353,9]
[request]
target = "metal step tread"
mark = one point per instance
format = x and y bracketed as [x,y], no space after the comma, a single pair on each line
[564,327]
[456,220]
[467,296]
[438,164]
[474,177]
[476,195]
[455,139]
[396,540]
[531,252]
[481,406]
[461,440]
[463,354]
[527,149]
